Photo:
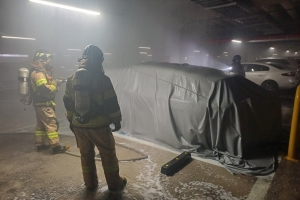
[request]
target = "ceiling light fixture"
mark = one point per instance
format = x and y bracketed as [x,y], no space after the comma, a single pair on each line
[144,48]
[18,38]
[196,51]
[65,7]
[143,52]
[14,55]
[149,55]
[287,51]
[237,41]
[272,48]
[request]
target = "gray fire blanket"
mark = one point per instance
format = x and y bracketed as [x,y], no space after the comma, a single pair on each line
[224,116]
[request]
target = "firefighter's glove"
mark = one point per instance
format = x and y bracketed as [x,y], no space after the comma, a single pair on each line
[59,81]
[72,127]
[117,127]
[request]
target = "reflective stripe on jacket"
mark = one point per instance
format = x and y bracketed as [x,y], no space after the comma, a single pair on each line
[104,106]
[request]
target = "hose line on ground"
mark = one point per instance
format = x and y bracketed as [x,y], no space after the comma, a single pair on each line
[144,156]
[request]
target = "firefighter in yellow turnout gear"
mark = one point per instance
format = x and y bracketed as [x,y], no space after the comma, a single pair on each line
[42,91]
[92,105]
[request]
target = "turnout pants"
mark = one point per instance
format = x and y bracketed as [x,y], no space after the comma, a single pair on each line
[46,126]
[105,143]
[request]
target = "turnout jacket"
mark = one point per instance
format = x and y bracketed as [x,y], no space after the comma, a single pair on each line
[42,87]
[104,106]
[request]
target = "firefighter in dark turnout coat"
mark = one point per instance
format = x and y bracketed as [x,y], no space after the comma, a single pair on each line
[237,67]
[90,111]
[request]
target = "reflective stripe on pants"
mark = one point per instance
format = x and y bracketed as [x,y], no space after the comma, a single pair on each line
[46,126]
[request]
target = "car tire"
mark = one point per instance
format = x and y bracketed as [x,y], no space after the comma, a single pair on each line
[271,86]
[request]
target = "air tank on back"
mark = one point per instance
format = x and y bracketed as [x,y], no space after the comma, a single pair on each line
[23,83]
[82,91]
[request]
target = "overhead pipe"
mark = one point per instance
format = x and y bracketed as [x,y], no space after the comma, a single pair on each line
[267,38]
[220,6]
[273,38]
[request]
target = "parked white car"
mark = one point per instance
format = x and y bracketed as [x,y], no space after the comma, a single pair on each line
[271,76]
[290,62]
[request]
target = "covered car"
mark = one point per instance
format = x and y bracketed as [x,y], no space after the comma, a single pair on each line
[224,116]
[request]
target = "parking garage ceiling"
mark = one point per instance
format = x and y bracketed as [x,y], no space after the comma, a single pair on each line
[252,18]
[249,20]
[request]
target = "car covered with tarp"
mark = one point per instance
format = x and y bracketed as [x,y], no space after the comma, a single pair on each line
[222,116]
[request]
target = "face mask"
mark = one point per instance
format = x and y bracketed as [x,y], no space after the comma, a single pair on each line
[49,68]
[85,63]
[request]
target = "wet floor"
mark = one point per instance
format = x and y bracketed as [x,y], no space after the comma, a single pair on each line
[27,174]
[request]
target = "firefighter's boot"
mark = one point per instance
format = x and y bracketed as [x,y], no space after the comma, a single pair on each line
[121,185]
[60,149]
[42,147]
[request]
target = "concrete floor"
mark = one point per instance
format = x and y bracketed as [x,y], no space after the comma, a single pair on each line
[27,174]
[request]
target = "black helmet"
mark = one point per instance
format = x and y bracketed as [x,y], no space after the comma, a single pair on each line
[236,58]
[93,54]
[42,55]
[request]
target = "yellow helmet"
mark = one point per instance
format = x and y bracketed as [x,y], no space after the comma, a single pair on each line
[42,55]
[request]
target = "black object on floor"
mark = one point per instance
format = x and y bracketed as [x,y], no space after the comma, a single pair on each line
[176,164]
